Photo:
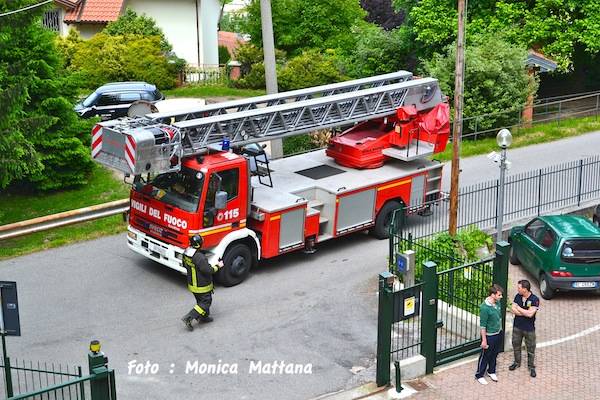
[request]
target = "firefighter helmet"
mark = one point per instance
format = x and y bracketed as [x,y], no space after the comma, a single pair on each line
[196,241]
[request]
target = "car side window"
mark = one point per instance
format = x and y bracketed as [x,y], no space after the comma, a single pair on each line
[547,238]
[534,229]
[147,96]
[126,98]
[107,100]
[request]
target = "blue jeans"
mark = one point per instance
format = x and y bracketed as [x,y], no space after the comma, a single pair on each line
[487,358]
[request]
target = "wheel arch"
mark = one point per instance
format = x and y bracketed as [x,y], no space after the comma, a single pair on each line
[245,236]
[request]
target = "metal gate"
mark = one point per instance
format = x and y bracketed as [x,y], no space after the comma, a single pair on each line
[445,323]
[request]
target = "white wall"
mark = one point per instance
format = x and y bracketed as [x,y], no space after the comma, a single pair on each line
[87,30]
[177,20]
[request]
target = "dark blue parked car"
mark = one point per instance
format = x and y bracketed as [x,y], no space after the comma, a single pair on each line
[114,99]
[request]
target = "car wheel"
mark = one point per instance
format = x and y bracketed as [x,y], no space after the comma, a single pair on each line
[514,260]
[381,230]
[236,265]
[546,291]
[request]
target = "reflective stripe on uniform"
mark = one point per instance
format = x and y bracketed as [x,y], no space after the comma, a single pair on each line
[199,309]
[200,289]
[194,281]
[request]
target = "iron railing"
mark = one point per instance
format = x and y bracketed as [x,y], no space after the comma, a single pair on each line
[545,110]
[206,75]
[26,376]
[528,194]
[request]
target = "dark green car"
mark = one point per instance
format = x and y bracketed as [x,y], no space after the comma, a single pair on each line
[562,251]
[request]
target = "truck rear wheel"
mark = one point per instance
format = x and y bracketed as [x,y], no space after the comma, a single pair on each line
[381,230]
[236,265]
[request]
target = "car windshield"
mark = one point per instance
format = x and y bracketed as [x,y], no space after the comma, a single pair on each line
[179,189]
[90,99]
[581,251]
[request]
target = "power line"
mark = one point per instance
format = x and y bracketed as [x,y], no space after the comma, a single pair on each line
[26,8]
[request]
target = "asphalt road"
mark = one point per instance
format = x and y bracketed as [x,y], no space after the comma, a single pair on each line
[302,309]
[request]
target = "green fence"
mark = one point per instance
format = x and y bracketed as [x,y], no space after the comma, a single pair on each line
[29,380]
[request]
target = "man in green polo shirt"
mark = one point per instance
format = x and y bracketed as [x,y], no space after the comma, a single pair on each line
[490,322]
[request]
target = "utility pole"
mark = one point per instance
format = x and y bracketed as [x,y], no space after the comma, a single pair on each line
[269,58]
[458,114]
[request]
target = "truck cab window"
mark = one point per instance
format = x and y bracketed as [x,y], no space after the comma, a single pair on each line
[180,189]
[226,181]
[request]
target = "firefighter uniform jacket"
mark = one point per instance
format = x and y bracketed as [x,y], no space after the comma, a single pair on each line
[199,272]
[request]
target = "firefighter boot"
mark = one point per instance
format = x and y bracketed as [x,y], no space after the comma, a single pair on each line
[205,319]
[188,323]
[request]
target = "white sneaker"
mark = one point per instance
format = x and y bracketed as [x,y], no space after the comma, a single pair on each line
[493,377]
[482,381]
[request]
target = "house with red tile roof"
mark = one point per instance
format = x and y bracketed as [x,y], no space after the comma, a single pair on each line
[189,25]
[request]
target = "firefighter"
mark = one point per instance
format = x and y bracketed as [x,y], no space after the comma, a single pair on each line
[200,281]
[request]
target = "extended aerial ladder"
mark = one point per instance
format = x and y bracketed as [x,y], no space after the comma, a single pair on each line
[157,142]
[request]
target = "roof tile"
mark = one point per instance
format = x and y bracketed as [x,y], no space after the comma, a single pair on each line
[95,11]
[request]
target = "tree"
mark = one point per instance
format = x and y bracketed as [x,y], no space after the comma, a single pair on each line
[377,51]
[304,24]
[496,79]
[554,27]
[129,23]
[42,142]
[382,13]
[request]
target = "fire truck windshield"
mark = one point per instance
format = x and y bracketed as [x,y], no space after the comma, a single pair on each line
[180,189]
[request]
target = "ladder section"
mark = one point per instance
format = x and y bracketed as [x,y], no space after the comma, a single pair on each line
[281,98]
[306,116]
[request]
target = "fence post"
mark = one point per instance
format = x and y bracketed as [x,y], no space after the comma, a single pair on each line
[8,376]
[384,328]
[500,276]
[429,317]
[98,365]
[579,185]
[539,192]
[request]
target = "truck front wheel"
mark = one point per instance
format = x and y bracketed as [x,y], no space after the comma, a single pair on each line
[236,265]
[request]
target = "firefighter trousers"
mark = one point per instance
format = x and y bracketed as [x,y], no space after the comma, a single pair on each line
[202,307]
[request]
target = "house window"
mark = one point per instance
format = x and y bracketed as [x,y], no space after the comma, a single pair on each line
[52,20]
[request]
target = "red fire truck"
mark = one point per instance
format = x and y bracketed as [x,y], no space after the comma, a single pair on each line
[202,171]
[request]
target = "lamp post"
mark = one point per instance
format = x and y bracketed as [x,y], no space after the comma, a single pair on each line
[504,140]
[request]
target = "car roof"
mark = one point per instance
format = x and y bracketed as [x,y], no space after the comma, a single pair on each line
[572,225]
[125,86]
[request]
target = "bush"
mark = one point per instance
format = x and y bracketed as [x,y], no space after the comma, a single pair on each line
[224,55]
[106,58]
[253,68]
[311,68]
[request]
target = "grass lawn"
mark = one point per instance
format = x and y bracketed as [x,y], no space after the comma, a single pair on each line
[102,187]
[211,91]
[522,137]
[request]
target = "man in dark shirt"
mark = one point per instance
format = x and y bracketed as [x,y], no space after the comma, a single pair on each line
[524,307]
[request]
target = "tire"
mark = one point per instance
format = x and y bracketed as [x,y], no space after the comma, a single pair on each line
[546,291]
[514,260]
[237,263]
[384,219]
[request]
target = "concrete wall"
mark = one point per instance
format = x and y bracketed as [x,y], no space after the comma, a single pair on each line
[178,21]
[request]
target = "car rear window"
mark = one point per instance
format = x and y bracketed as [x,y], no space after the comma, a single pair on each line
[582,251]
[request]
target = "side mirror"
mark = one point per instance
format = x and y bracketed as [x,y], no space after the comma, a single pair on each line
[220,200]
